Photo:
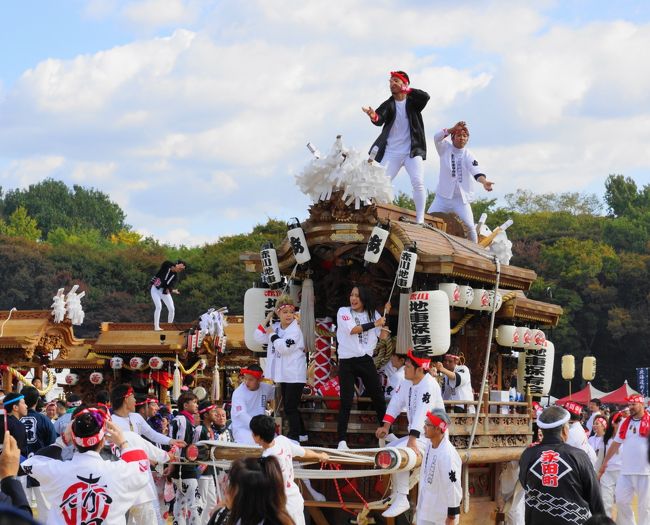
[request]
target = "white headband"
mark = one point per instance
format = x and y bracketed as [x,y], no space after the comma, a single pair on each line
[554,424]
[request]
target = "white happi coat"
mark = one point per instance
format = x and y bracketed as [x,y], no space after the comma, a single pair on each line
[88,488]
[245,405]
[285,357]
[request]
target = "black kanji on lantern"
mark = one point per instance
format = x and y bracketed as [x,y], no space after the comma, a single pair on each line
[296,245]
[374,244]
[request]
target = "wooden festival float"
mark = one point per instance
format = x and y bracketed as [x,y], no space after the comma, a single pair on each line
[336,237]
[31,344]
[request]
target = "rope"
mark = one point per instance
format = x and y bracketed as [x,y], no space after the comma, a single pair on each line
[51,380]
[461,324]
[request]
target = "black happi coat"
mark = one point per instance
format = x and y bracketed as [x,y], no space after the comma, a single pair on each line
[560,483]
[416,100]
[165,278]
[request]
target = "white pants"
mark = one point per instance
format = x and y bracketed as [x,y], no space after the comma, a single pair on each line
[627,486]
[608,489]
[42,505]
[437,522]
[187,502]
[457,206]
[208,492]
[296,508]
[415,168]
[400,480]
[157,294]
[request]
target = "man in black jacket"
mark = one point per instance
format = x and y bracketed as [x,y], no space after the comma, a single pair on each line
[162,288]
[402,141]
[559,480]
[11,490]
[15,408]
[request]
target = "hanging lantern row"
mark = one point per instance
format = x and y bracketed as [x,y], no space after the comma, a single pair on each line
[520,337]
[96,378]
[463,296]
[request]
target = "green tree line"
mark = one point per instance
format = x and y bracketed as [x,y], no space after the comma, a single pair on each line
[591,257]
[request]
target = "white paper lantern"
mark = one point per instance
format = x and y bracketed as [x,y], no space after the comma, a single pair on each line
[429,316]
[568,366]
[116,362]
[136,363]
[258,302]
[539,339]
[466,296]
[71,379]
[481,301]
[270,266]
[495,300]
[453,293]
[524,337]
[406,269]
[96,378]
[589,368]
[155,363]
[535,370]
[298,242]
[507,335]
[376,243]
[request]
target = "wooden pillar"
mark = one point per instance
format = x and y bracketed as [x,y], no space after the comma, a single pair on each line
[7,381]
[499,371]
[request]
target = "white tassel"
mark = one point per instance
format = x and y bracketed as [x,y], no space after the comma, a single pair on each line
[176,387]
[307,319]
[216,383]
[404,338]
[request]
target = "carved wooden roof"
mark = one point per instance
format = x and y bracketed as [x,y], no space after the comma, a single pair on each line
[521,307]
[34,332]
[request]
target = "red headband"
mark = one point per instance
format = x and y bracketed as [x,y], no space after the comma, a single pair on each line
[617,417]
[90,441]
[604,421]
[637,398]
[207,409]
[128,392]
[574,408]
[424,363]
[436,421]
[400,76]
[253,373]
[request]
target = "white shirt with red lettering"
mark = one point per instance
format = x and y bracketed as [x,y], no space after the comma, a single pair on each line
[633,451]
[355,345]
[285,450]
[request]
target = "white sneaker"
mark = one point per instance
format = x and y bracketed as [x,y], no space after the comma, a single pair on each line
[399,506]
[303,438]
[343,445]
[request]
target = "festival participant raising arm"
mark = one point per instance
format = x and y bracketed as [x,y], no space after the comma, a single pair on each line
[402,141]
[162,288]
[458,170]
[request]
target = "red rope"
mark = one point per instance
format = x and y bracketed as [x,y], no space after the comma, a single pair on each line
[336,466]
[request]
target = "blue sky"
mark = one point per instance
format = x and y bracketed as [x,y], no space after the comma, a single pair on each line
[193,114]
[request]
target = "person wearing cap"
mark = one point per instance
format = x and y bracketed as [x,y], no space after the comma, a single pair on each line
[417,394]
[124,416]
[286,362]
[87,488]
[457,382]
[208,473]
[284,449]
[632,441]
[359,327]
[15,408]
[40,433]
[162,288]
[559,479]
[458,171]
[439,490]
[402,140]
[73,401]
[249,399]
[577,434]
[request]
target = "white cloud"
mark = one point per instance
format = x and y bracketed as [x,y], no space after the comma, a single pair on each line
[215,116]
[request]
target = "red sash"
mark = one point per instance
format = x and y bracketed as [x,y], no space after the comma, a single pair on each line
[644,428]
